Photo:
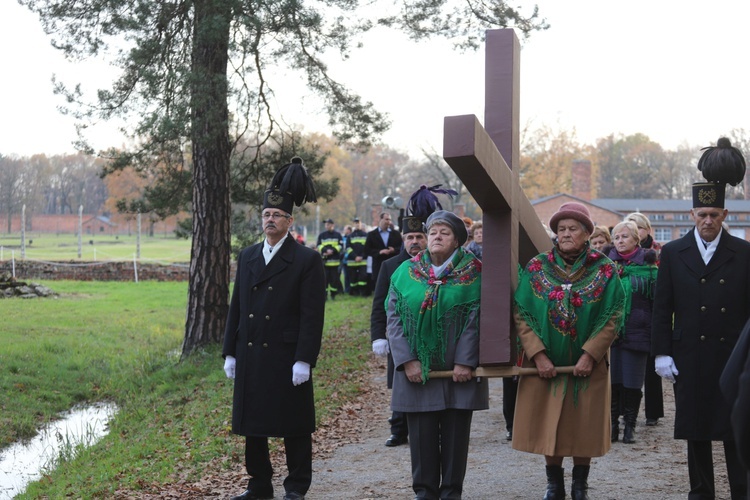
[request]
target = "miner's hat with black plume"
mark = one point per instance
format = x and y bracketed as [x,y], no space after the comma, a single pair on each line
[720,165]
[422,203]
[291,185]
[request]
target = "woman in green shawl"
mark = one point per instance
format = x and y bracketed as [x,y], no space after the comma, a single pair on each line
[569,303]
[637,269]
[433,324]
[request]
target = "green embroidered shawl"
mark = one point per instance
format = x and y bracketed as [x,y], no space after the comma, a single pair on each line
[640,278]
[430,307]
[566,308]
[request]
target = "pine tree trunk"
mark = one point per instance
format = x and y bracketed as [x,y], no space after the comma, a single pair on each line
[208,298]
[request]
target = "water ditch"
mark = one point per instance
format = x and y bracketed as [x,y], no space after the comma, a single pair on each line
[24,462]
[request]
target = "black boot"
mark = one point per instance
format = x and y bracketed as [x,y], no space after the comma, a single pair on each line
[555,483]
[632,401]
[580,488]
[615,409]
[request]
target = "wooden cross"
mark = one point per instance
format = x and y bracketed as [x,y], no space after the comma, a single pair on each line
[486,161]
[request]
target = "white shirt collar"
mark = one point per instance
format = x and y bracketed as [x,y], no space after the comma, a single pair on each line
[269,251]
[708,249]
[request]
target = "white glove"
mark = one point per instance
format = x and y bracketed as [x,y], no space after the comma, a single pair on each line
[381,347]
[665,367]
[229,365]
[300,372]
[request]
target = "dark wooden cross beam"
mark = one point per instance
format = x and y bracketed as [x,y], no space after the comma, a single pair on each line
[486,161]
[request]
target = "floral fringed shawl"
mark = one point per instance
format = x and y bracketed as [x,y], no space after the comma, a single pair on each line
[431,306]
[566,308]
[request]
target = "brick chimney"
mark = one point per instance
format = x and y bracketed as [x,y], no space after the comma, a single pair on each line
[580,183]
[459,209]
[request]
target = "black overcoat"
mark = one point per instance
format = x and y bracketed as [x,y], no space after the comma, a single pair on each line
[710,305]
[275,319]
[378,318]
[735,384]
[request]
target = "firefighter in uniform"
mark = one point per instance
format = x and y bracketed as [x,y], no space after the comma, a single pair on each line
[330,245]
[356,260]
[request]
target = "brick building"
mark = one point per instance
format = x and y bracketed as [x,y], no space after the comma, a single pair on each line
[547,206]
[670,219]
[91,224]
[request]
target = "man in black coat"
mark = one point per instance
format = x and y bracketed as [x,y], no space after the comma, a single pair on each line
[701,304]
[271,343]
[735,384]
[415,241]
[381,244]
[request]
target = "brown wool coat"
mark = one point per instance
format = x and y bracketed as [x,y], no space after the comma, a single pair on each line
[546,421]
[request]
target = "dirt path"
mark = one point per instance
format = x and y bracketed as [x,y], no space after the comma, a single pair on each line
[655,467]
[352,462]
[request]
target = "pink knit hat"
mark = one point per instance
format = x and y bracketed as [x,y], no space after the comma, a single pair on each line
[572,210]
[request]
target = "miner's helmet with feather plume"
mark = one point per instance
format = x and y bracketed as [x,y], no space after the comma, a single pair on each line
[422,203]
[720,165]
[291,185]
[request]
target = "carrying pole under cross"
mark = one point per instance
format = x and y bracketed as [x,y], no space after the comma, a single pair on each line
[500,371]
[486,161]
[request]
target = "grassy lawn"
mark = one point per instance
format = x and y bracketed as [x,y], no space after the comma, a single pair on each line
[120,342]
[62,247]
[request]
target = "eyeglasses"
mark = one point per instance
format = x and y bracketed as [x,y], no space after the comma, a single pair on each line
[274,216]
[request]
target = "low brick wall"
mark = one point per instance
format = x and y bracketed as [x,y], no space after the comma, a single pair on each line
[96,271]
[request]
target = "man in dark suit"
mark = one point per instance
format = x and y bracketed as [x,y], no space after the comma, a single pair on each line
[415,241]
[741,416]
[381,244]
[271,343]
[701,304]
[735,384]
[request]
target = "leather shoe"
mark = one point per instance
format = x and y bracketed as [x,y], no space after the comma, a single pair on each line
[395,440]
[509,435]
[293,495]
[250,495]
[652,421]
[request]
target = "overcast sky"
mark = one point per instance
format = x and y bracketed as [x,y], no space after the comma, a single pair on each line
[676,71]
